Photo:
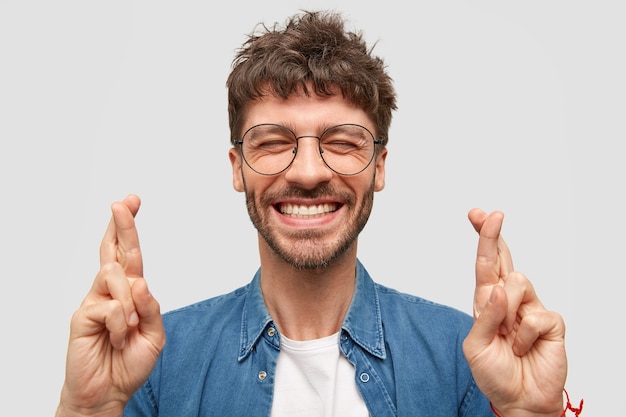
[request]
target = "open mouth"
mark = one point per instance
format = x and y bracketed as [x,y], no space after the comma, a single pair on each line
[301,210]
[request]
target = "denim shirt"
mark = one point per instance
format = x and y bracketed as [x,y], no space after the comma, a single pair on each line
[220,357]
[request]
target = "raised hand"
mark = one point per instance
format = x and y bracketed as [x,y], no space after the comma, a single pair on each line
[116,335]
[516,348]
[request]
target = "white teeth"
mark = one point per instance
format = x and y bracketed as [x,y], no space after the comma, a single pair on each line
[303,211]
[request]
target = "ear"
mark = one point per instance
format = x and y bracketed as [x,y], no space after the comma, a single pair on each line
[379,181]
[235,161]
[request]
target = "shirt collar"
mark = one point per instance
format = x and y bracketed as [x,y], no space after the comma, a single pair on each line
[363,321]
[254,318]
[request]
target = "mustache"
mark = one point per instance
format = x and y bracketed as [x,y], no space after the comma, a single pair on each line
[323,190]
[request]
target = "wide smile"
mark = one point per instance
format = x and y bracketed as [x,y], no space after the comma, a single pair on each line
[306,211]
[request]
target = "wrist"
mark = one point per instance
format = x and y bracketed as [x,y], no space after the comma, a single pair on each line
[73,405]
[567,407]
[65,411]
[524,413]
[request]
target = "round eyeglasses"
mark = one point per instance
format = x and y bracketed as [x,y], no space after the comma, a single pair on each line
[269,149]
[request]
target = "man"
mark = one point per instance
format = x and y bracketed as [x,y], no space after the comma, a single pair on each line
[312,334]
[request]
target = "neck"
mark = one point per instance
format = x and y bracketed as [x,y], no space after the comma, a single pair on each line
[308,304]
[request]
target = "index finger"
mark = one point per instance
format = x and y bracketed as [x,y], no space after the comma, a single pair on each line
[121,240]
[493,258]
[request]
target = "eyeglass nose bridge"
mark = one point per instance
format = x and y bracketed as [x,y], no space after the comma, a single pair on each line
[320,151]
[319,146]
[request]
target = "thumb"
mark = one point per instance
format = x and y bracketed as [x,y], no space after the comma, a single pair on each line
[487,325]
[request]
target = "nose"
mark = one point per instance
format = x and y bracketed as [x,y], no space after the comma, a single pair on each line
[308,169]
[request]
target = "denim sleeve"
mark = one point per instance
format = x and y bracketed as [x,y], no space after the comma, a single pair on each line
[475,404]
[142,403]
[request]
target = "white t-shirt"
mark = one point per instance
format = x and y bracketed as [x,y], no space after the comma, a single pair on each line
[313,379]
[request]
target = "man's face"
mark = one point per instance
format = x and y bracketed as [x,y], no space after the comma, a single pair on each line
[336,207]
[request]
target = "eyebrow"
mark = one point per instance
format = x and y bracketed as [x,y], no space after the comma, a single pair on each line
[321,128]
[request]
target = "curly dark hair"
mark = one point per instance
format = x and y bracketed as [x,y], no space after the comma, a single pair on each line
[312,49]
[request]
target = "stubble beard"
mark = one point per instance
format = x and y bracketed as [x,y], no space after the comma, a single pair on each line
[306,249]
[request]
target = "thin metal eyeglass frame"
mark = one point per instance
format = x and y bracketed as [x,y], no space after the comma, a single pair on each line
[319,147]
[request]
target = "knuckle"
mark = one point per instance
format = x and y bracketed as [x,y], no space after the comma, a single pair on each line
[517,278]
[521,282]
[110,268]
[114,317]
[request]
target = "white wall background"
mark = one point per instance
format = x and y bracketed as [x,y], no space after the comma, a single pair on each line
[518,106]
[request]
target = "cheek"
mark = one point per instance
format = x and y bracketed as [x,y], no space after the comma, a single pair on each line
[255,185]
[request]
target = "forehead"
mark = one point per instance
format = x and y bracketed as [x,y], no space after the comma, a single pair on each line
[302,112]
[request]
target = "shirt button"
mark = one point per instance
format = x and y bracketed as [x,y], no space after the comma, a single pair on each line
[364,377]
[271,332]
[262,375]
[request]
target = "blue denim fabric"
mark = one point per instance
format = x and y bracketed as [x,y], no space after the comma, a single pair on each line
[220,357]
